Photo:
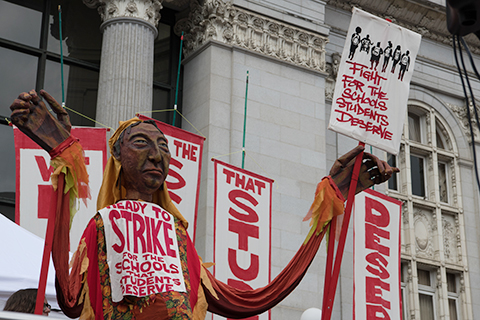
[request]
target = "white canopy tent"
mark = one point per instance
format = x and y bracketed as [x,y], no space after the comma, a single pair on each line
[21,262]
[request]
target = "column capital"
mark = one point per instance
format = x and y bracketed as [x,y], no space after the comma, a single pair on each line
[147,10]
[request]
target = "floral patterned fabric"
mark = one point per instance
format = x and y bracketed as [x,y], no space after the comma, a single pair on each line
[173,305]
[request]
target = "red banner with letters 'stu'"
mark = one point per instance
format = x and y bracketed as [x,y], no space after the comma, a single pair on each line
[242,234]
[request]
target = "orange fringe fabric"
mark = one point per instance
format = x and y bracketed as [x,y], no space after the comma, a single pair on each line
[68,158]
[327,204]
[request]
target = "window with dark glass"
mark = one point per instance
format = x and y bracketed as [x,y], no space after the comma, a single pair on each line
[166,55]
[403,289]
[30,59]
[452,295]
[414,127]
[392,182]
[418,175]
[442,182]
[426,295]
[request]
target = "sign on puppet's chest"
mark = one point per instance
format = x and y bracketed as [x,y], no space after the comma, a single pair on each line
[142,249]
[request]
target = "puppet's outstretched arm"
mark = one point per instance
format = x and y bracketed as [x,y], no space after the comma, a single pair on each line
[231,302]
[31,116]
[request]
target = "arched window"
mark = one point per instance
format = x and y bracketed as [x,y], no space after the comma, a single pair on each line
[433,232]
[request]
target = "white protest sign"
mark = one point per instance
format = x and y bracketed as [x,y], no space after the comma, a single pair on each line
[373,81]
[242,229]
[142,249]
[376,241]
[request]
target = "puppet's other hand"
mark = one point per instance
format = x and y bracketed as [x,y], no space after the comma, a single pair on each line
[31,116]
[373,171]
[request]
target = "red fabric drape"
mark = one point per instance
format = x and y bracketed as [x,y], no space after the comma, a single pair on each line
[237,304]
[69,287]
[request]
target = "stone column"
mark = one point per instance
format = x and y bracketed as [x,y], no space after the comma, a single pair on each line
[126,68]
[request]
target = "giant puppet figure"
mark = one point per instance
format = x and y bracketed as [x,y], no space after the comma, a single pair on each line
[134,179]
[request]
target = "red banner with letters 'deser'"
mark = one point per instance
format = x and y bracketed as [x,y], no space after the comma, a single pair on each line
[377,291]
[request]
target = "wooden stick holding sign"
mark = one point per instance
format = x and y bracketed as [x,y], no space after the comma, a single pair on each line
[369,103]
[47,249]
[330,253]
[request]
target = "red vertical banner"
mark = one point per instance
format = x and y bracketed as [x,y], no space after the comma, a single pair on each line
[377,290]
[183,180]
[242,229]
[34,189]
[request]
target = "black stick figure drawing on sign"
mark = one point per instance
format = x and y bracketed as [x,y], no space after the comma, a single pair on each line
[404,64]
[396,57]
[355,41]
[375,57]
[365,44]
[387,53]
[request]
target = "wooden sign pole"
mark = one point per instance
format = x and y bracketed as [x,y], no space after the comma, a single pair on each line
[42,283]
[331,283]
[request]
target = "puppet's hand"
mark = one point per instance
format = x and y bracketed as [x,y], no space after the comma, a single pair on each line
[31,116]
[373,171]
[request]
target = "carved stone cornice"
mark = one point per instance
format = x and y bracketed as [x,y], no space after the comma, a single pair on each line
[422,16]
[462,115]
[147,10]
[217,20]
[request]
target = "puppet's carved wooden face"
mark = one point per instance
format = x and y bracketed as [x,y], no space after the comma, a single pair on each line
[145,158]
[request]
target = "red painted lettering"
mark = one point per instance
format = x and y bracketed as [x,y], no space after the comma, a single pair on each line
[168,241]
[260,185]
[234,197]
[239,181]
[373,311]
[373,287]
[229,174]
[250,185]
[381,216]
[180,182]
[245,274]
[372,239]
[138,230]
[113,216]
[377,260]
[45,171]
[244,231]
[156,243]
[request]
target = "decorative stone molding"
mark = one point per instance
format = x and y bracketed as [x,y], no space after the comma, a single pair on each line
[448,237]
[332,70]
[454,183]
[461,113]
[405,215]
[452,244]
[423,228]
[147,10]
[329,89]
[428,20]
[217,20]
[439,281]
[462,283]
